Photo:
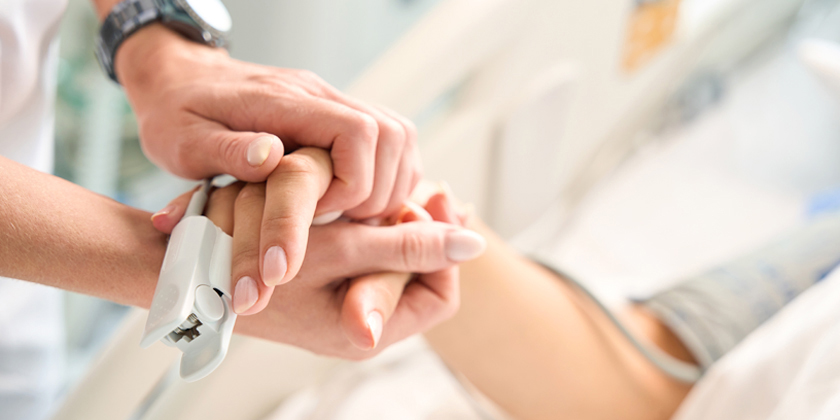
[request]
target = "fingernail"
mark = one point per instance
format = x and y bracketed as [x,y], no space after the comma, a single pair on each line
[464,245]
[164,211]
[259,150]
[374,323]
[274,266]
[245,294]
[326,218]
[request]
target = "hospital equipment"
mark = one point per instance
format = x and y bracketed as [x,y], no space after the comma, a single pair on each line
[192,308]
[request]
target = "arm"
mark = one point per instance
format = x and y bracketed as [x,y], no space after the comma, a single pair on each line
[59,234]
[541,351]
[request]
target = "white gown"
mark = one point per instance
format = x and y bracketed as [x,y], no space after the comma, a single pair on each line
[31,321]
[787,369]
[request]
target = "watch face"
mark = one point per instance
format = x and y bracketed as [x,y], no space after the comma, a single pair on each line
[212,12]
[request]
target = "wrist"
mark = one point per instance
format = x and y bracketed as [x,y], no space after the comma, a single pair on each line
[142,249]
[103,7]
[141,56]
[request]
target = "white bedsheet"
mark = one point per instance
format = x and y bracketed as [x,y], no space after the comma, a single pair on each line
[788,369]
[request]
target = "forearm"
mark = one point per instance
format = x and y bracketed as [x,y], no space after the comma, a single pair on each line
[541,351]
[59,234]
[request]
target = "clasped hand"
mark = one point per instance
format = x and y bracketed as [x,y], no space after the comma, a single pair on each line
[201,113]
[353,295]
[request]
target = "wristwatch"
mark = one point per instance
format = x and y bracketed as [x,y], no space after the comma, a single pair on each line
[204,21]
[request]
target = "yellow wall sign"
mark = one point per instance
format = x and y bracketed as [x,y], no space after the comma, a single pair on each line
[651,27]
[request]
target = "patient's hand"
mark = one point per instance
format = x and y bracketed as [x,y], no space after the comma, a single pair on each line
[334,306]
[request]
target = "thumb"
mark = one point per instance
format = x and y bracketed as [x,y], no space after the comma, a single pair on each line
[215,150]
[368,305]
[420,247]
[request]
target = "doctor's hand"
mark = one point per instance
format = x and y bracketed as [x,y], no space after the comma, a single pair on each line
[335,305]
[201,113]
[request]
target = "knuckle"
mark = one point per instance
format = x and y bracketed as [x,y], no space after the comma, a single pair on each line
[226,148]
[356,191]
[364,128]
[297,163]
[307,75]
[392,130]
[279,225]
[414,250]
[250,193]
[222,196]
[374,206]
[245,261]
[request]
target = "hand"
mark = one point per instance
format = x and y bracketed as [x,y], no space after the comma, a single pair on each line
[382,289]
[334,306]
[201,113]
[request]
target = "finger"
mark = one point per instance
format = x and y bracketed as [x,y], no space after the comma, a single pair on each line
[412,212]
[411,168]
[441,208]
[248,156]
[350,136]
[389,151]
[425,302]
[292,194]
[220,206]
[250,294]
[206,148]
[393,127]
[166,219]
[417,247]
[368,305]
[402,185]
[431,298]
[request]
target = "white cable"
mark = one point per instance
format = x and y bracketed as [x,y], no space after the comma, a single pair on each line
[671,366]
[199,199]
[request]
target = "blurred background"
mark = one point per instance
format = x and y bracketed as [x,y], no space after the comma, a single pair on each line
[632,142]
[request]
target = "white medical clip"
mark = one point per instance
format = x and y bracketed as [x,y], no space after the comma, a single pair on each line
[192,309]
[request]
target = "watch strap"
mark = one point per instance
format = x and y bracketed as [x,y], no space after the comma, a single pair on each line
[125,18]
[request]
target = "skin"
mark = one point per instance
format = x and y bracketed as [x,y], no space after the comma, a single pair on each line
[64,236]
[432,297]
[541,350]
[535,345]
[200,112]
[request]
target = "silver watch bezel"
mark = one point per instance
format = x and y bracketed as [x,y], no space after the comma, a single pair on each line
[210,34]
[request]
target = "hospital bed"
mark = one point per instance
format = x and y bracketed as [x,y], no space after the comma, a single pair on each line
[507,93]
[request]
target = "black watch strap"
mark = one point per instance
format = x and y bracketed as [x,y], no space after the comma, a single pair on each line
[125,18]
